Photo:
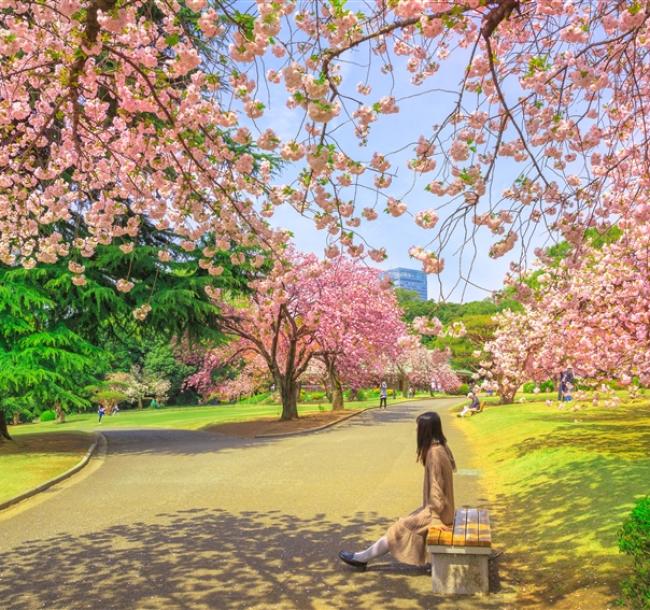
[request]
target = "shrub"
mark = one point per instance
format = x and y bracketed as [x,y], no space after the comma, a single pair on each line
[48,415]
[634,539]
[461,390]
[361,395]
[544,386]
[313,396]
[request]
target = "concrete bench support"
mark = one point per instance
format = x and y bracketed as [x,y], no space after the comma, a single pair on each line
[458,570]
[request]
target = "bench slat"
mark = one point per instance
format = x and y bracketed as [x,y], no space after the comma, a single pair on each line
[433,535]
[484,531]
[460,527]
[471,532]
[438,536]
[471,528]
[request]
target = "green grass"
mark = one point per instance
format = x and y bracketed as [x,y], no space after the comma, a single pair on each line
[32,459]
[561,483]
[188,418]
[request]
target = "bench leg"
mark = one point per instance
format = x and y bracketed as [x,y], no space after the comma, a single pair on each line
[459,574]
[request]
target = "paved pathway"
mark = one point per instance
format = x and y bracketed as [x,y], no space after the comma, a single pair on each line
[191,520]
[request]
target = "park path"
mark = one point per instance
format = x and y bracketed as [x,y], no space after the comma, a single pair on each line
[192,520]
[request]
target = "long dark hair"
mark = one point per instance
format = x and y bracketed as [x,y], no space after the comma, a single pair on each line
[429,431]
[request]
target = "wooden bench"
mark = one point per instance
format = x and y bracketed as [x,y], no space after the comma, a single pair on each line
[459,557]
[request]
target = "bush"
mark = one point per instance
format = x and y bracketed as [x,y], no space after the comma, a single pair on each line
[634,539]
[48,415]
[461,390]
[544,386]
[313,396]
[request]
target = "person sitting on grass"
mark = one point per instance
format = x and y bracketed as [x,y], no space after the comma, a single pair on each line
[406,538]
[473,407]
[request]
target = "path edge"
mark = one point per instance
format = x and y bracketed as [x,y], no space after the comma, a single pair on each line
[98,439]
[329,424]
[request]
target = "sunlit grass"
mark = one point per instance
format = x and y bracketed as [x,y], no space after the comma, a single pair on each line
[186,418]
[31,460]
[562,482]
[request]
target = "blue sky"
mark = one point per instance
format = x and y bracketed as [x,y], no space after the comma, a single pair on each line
[417,116]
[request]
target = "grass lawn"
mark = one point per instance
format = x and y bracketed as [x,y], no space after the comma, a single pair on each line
[562,482]
[187,418]
[33,459]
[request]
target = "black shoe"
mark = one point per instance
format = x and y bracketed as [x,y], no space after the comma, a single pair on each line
[348,558]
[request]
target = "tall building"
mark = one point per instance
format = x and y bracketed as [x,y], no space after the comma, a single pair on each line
[410,279]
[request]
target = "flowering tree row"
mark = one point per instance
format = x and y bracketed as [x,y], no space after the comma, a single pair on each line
[336,320]
[117,111]
[590,312]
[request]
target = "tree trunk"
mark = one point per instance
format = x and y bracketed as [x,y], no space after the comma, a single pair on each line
[60,413]
[3,426]
[507,395]
[16,421]
[404,385]
[139,402]
[337,389]
[289,397]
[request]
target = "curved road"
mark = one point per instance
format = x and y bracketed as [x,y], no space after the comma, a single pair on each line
[192,520]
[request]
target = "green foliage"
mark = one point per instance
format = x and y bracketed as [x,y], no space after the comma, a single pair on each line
[361,395]
[476,316]
[57,337]
[313,396]
[445,312]
[461,390]
[544,386]
[634,540]
[47,415]
[161,362]
[42,361]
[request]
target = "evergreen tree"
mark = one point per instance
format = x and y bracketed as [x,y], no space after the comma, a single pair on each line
[63,325]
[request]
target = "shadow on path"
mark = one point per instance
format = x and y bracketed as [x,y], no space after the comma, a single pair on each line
[201,558]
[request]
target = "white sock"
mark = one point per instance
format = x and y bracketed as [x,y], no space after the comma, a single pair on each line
[378,549]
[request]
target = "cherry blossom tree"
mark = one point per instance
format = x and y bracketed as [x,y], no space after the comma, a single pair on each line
[120,111]
[589,311]
[418,366]
[509,357]
[229,372]
[279,323]
[339,312]
[359,322]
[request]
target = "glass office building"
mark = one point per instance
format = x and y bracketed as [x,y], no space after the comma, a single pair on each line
[409,279]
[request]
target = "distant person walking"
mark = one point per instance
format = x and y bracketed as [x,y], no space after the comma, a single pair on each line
[406,538]
[101,411]
[383,394]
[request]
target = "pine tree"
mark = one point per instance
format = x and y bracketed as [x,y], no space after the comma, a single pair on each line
[57,337]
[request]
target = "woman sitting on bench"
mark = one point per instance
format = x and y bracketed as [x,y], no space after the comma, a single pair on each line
[406,538]
[473,407]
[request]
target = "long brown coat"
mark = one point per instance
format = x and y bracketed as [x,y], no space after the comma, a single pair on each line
[407,536]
